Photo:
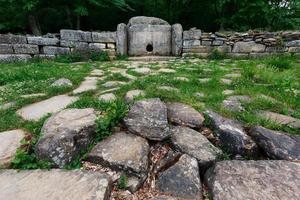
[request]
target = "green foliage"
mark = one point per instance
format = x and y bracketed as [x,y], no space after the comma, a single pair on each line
[69,58]
[279,62]
[122,183]
[215,54]
[121,57]
[99,56]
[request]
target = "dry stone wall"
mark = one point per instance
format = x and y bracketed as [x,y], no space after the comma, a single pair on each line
[251,44]
[23,48]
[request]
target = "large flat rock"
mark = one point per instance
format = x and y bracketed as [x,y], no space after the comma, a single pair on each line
[195,144]
[148,118]
[280,119]
[182,179]
[54,185]
[122,152]
[276,144]
[65,135]
[88,84]
[10,142]
[40,109]
[257,180]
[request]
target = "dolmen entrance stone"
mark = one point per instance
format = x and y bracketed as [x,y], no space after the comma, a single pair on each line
[54,185]
[232,135]
[122,152]
[195,144]
[264,179]
[182,179]
[276,144]
[65,135]
[184,115]
[148,118]
[10,142]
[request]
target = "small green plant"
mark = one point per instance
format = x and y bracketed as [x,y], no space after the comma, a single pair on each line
[69,58]
[99,56]
[121,57]
[279,62]
[122,183]
[217,55]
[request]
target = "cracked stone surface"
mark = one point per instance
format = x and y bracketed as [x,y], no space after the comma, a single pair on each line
[184,115]
[40,109]
[10,142]
[122,152]
[54,184]
[65,135]
[195,144]
[148,118]
[264,179]
[182,179]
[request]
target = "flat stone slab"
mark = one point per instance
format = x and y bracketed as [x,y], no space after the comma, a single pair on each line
[232,135]
[62,82]
[184,115]
[65,135]
[111,84]
[264,179]
[54,185]
[10,142]
[166,70]
[276,144]
[148,118]
[26,96]
[40,109]
[87,85]
[97,72]
[143,70]
[109,97]
[182,179]
[122,152]
[130,95]
[194,144]
[168,88]
[280,119]
[234,103]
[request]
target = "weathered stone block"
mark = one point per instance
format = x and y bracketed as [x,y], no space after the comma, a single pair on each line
[276,49]
[206,42]
[192,34]
[248,47]
[177,32]
[12,39]
[6,58]
[294,49]
[74,44]
[238,55]
[224,49]
[26,49]
[50,50]
[6,49]
[111,46]
[147,20]
[198,49]
[191,43]
[97,46]
[121,39]
[44,56]
[74,35]
[105,37]
[217,42]
[43,41]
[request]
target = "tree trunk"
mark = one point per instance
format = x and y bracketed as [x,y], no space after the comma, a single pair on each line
[78,22]
[34,24]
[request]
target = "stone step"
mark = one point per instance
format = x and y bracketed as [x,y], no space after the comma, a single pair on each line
[54,185]
[40,109]
[152,58]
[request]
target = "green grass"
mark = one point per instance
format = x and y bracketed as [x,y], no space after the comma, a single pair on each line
[258,77]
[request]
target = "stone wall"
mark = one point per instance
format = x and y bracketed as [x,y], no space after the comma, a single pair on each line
[251,44]
[23,48]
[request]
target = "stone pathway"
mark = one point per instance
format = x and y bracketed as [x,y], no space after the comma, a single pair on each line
[40,109]
[90,83]
[280,119]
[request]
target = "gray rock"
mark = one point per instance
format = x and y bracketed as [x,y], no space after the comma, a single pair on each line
[50,50]
[280,119]
[86,85]
[12,39]
[75,35]
[54,184]
[121,39]
[294,43]
[97,46]
[65,135]
[104,37]
[194,144]
[147,21]
[143,70]
[184,115]
[132,94]
[37,40]
[6,49]
[10,142]
[182,179]
[232,135]
[109,97]
[276,144]
[268,180]
[191,43]
[163,197]
[248,47]
[111,84]
[166,70]
[168,88]
[234,103]
[148,118]
[122,152]
[74,44]
[177,41]
[7,58]
[26,49]
[63,82]
[192,34]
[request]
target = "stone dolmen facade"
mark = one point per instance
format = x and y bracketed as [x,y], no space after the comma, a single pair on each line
[149,36]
